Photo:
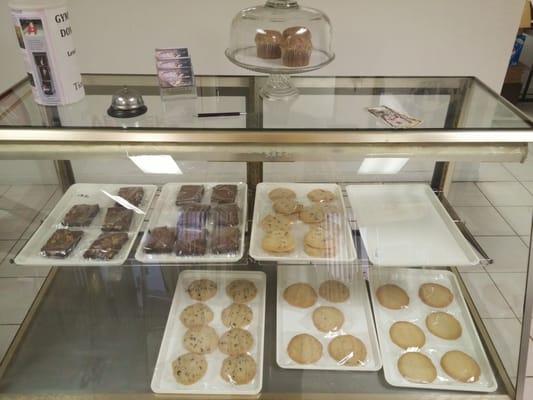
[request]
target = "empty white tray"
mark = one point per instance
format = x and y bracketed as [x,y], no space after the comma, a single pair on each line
[405,225]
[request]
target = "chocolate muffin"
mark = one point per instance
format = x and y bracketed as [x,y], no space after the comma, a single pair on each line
[191,242]
[268,43]
[160,240]
[225,240]
[61,243]
[296,51]
[106,246]
[297,31]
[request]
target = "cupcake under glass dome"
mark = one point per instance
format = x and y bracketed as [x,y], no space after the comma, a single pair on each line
[280,38]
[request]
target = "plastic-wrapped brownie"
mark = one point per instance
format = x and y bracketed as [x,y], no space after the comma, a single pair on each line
[190,194]
[61,243]
[224,194]
[226,215]
[193,216]
[106,246]
[191,242]
[117,219]
[132,194]
[80,215]
[225,240]
[160,240]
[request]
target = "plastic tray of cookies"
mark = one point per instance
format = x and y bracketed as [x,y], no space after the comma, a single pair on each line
[91,225]
[427,337]
[405,225]
[213,340]
[301,223]
[196,223]
[324,320]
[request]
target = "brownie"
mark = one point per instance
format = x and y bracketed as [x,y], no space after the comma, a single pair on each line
[226,215]
[190,194]
[194,216]
[61,243]
[106,246]
[226,240]
[80,215]
[132,194]
[160,240]
[191,242]
[224,194]
[117,219]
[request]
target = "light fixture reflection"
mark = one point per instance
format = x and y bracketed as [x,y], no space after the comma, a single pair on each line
[162,164]
[382,166]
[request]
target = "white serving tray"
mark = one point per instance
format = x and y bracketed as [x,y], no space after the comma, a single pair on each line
[166,213]
[163,381]
[435,347]
[405,225]
[263,206]
[292,321]
[84,193]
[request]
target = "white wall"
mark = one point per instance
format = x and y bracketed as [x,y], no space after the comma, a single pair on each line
[371,37]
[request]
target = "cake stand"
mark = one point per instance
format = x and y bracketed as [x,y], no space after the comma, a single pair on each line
[279,15]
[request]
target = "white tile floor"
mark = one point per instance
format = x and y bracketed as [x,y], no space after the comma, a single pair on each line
[495,201]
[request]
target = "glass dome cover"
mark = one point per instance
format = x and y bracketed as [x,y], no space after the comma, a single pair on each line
[279,38]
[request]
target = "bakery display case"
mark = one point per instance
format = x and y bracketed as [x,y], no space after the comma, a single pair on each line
[285,251]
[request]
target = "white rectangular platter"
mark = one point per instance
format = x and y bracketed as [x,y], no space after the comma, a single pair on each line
[416,312]
[405,225]
[358,319]
[85,193]
[163,381]
[166,213]
[263,206]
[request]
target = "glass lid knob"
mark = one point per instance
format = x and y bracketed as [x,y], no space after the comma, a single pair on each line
[281,3]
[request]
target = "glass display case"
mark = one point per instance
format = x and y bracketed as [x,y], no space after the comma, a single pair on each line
[302,249]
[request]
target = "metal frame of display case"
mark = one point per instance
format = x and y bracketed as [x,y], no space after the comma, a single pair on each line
[257,146]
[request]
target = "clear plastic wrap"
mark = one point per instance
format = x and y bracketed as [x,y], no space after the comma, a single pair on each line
[328,317]
[211,355]
[90,209]
[426,346]
[301,222]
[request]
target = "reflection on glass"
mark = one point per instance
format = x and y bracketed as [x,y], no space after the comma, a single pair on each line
[156,164]
[382,166]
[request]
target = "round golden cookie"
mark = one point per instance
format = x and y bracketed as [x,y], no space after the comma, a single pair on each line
[241,291]
[281,193]
[286,206]
[334,291]
[278,242]
[200,340]
[304,349]
[197,314]
[460,366]
[202,289]
[321,196]
[435,295]
[322,253]
[189,368]
[238,370]
[347,350]
[417,367]
[392,297]
[328,319]
[237,316]
[276,222]
[236,341]
[320,238]
[312,215]
[444,325]
[407,335]
[301,295]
